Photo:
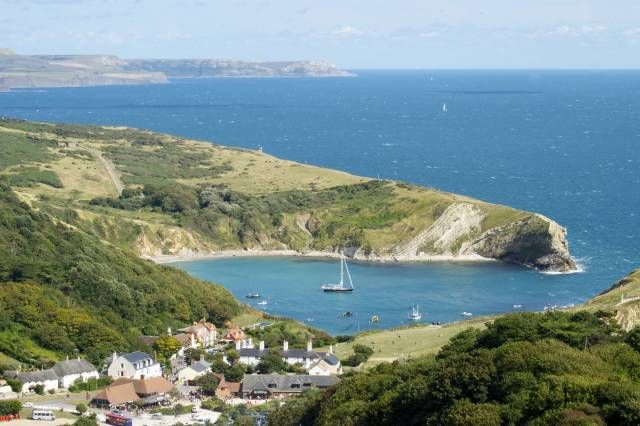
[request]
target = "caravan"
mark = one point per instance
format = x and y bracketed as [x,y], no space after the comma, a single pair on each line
[43,415]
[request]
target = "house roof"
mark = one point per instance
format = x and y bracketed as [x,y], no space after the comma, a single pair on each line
[234,334]
[197,326]
[285,383]
[232,387]
[36,376]
[183,338]
[73,366]
[331,358]
[118,393]
[200,366]
[253,352]
[153,385]
[136,356]
[300,353]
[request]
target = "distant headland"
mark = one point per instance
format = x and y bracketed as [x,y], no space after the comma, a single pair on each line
[29,71]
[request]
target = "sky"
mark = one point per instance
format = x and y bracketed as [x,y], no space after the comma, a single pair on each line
[354,34]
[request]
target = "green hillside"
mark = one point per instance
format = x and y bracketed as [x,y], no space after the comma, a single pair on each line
[63,290]
[157,194]
[557,368]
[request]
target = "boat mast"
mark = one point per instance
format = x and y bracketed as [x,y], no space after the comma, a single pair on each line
[348,274]
[341,270]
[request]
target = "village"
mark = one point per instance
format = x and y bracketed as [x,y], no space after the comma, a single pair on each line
[193,376]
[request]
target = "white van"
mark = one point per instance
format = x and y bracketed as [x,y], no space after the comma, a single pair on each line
[43,415]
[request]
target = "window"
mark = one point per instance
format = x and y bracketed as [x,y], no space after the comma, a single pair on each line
[306,385]
[271,385]
[121,373]
[295,385]
[121,365]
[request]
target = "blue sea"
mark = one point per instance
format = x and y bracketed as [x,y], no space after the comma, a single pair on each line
[562,143]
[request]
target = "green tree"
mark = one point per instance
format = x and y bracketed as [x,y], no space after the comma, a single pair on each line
[633,338]
[81,408]
[272,362]
[208,383]
[166,346]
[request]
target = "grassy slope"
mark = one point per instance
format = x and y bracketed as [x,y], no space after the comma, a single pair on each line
[279,196]
[62,289]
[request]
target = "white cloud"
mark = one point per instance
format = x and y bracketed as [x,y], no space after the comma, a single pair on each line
[347,31]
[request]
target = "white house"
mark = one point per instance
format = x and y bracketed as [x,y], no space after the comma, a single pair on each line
[316,363]
[250,355]
[327,364]
[134,365]
[29,379]
[73,369]
[6,392]
[195,370]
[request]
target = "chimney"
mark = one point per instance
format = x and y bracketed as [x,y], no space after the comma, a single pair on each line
[262,345]
[309,345]
[285,346]
[250,345]
[114,358]
[238,344]
[169,331]
[201,357]
[67,357]
[330,349]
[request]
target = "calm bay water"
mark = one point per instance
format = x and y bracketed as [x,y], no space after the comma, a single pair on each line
[564,144]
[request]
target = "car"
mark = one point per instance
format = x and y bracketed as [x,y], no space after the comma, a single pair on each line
[156,416]
[28,405]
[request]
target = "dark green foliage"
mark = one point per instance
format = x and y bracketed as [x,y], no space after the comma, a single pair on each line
[29,176]
[524,369]
[208,384]
[633,338]
[361,353]
[291,331]
[8,408]
[90,384]
[17,149]
[272,363]
[67,290]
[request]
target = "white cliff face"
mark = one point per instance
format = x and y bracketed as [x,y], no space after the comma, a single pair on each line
[458,221]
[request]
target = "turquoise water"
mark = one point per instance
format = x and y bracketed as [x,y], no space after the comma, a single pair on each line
[291,287]
[565,144]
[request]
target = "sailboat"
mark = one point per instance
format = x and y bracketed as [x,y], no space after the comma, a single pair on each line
[255,295]
[341,286]
[415,314]
[444,107]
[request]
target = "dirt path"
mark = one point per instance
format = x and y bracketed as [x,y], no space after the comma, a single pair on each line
[113,175]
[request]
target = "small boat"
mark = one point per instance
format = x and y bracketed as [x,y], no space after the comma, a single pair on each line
[517,306]
[262,302]
[255,295]
[341,286]
[444,107]
[347,314]
[415,314]
[375,318]
[467,314]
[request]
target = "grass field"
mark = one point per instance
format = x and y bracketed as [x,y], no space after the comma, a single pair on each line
[405,343]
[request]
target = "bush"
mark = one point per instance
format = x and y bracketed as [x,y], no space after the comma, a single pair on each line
[8,408]
[81,408]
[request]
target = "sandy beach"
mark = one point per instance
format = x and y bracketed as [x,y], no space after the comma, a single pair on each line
[185,257]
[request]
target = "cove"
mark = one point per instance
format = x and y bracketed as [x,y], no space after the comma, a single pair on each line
[291,286]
